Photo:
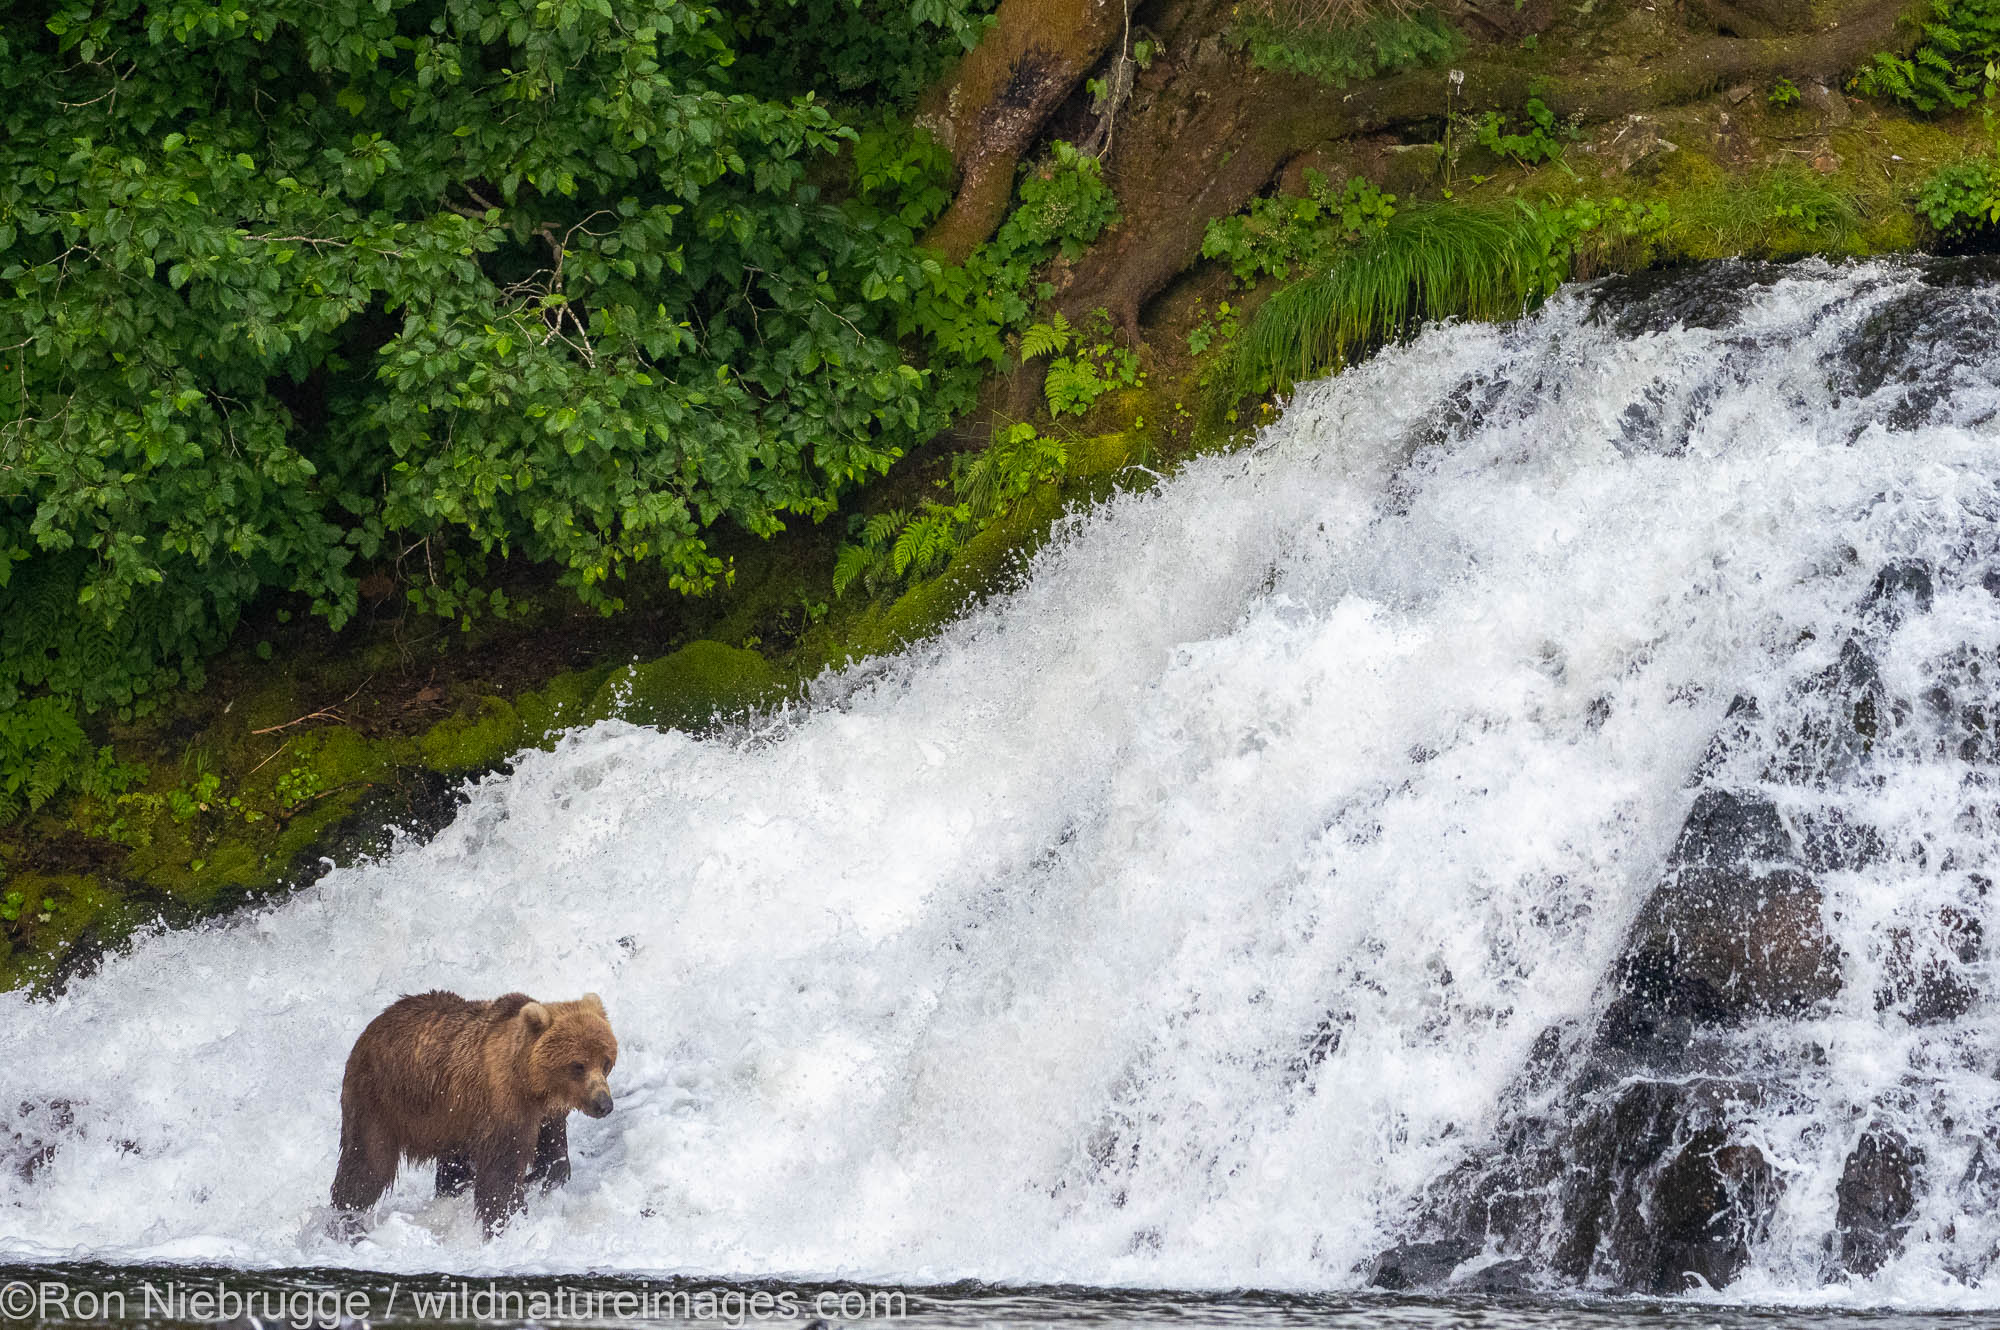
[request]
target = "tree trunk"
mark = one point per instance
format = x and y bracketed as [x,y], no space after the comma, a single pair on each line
[990,108]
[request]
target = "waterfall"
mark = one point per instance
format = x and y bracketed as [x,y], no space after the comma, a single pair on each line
[1185,915]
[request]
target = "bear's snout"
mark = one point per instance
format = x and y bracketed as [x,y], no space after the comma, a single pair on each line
[599,1105]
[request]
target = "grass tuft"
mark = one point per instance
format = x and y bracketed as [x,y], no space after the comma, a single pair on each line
[1438,261]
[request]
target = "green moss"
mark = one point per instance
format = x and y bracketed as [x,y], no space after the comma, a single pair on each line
[489,733]
[562,703]
[277,702]
[32,947]
[688,689]
[980,566]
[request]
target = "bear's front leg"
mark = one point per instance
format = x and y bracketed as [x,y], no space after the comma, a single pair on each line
[551,1166]
[498,1189]
[454,1173]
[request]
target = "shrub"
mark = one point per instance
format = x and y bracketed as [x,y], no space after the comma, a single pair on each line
[1962,198]
[1281,232]
[1953,63]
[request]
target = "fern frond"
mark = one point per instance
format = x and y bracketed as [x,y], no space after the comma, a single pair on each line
[906,548]
[875,535]
[850,563]
[1045,338]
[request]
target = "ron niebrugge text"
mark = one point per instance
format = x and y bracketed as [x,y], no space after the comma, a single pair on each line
[490,1301]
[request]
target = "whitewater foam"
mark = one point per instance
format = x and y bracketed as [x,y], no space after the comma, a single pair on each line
[1169,921]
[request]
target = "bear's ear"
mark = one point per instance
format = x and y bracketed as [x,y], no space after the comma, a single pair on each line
[594,1002]
[536,1017]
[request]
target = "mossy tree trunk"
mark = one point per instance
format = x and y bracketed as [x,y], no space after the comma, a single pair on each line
[993,105]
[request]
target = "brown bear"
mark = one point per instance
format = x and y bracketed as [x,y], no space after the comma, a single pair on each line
[483,1088]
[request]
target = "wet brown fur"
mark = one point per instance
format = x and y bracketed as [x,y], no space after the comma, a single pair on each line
[483,1088]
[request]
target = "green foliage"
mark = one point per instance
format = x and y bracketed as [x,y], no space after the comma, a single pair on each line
[1043,339]
[1590,236]
[1348,47]
[1956,60]
[1541,141]
[1222,322]
[1431,262]
[44,753]
[294,292]
[1281,232]
[1783,93]
[14,904]
[899,545]
[1018,459]
[893,548]
[1094,365]
[204,795]
[882,52]
[901,170]
[1064,204]
[298,785]
[1962,198]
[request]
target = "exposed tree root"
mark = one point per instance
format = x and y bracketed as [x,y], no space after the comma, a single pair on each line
[1200,142]
[994,103]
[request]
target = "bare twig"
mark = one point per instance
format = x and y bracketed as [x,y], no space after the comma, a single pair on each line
[324,713]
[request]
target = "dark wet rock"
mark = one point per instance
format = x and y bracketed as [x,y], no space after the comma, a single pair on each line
[1712,1201]
[1925,975]
[1456,417]
[1515,1276]
[1629,1189]
[1656,1188]
[1907,353]
[1733,932]
[1901,588]
[414,802]
[1830,841]
[1737,731]
[1421,1264]
[1958,704]
[1877,1193]
[1846,710]
[1655,300]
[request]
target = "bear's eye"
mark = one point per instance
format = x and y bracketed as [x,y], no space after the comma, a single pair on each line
[576,1069]
[607,1066]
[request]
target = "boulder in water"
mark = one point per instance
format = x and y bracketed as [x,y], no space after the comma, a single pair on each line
[1421,1264]
[1877,1193]
[1657,1188]
[1925,974]
[1733,932]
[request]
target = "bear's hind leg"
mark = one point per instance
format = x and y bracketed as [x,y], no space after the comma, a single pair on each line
[367,1165]
[454,1173]
[551,1166]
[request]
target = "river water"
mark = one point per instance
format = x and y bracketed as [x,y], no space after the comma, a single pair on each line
[1173,920]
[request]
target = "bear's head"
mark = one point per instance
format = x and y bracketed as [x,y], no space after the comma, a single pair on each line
[572,1053]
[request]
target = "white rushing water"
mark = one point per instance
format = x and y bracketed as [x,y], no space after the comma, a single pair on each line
[1170,921]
